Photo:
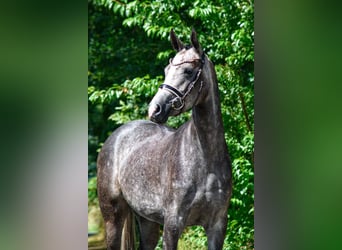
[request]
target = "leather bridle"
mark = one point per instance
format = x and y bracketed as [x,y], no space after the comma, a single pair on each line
[177,103]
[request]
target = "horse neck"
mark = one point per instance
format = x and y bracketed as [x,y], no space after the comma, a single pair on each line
[206,115]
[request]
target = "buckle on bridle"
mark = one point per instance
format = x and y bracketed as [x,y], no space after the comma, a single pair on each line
[177,103]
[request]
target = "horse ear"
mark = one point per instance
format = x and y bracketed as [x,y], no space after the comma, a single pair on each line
[176,43]
[195,42]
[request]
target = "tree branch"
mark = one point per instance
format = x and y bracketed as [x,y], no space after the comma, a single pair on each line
[243,104]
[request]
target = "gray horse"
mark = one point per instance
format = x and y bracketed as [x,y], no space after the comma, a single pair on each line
[163,176]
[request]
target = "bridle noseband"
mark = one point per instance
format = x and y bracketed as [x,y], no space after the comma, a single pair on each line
[177,103]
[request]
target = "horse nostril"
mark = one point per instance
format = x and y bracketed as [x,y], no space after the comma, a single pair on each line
[157,109]
[154,110]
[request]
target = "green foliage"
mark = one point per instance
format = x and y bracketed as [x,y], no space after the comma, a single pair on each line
[128,49]
[92,195]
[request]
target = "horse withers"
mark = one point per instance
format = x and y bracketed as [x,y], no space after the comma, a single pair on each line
[162,176]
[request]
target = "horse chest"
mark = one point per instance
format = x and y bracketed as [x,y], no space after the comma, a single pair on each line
[205,199]
[212,191]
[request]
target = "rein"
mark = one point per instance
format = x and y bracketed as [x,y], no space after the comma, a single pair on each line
[178,102]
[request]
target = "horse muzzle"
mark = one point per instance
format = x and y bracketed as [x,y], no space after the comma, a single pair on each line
[159,113]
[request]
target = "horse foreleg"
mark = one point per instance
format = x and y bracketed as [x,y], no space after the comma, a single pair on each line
[216,233]
[149,234]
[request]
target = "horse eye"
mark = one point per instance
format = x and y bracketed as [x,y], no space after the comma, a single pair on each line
[188,71]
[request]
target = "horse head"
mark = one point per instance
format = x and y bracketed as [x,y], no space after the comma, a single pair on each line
[183,83]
